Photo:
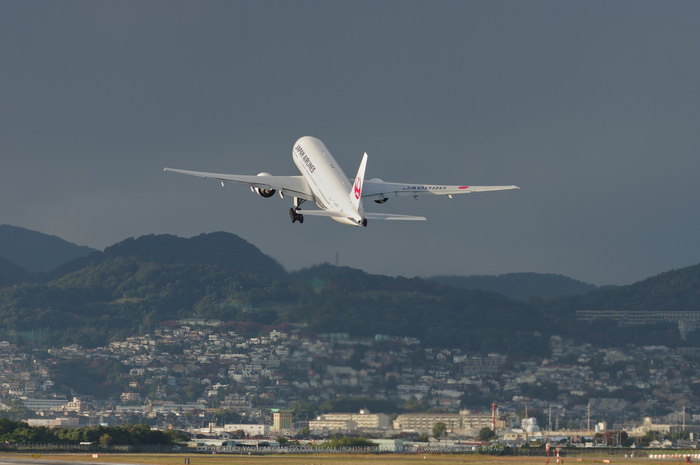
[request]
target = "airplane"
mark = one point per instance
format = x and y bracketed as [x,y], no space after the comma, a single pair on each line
[323,182]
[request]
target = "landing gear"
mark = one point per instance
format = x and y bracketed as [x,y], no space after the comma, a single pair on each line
[294,212]
[295,216]
[364,222]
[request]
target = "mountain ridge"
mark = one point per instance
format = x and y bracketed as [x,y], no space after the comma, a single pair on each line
[520,286]
[12,274]
[673,290]
[232,252]
[223,249]
[124,288]
[37,252]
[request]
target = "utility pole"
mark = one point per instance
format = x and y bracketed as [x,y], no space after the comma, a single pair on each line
[550,417]
[684,418]
[589,418]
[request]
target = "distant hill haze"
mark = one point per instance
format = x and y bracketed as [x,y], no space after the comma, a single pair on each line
[670,291]
[520,286]
[12,274]
[223,249]
[31,256]
[37,252]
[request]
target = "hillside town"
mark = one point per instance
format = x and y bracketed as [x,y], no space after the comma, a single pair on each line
[188,374]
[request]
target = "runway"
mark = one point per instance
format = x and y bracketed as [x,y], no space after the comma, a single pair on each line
[57,461]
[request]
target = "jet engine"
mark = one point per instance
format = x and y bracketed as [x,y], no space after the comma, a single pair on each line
[383,199]
[266,193]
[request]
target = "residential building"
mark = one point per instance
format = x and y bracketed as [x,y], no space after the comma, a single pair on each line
[281,419]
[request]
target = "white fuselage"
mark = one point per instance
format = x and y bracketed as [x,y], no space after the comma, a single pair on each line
[330,186]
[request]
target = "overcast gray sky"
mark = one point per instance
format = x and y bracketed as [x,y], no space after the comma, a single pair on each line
[592,108]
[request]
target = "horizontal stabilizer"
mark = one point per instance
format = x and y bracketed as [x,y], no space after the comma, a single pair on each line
[369,216]
[321,213]
[392,217]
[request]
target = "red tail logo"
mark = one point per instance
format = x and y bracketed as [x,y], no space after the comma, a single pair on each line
[358,188]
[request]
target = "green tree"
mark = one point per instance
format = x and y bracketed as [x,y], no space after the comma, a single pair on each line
[439,429]
[106,439]
[415,406]
[17,411]
[304,409]
[648,437]
[224,416]
[193,391]
[486,434]
[356,404]
[151,320]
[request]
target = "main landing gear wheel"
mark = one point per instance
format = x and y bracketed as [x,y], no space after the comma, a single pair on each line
[295,216]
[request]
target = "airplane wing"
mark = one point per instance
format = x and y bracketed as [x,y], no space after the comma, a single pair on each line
[369,216]
[376,189]
[293,185]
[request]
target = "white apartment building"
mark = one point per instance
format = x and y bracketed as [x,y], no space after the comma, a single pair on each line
[362,420]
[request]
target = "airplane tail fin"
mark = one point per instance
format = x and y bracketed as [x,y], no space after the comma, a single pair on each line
[356,193]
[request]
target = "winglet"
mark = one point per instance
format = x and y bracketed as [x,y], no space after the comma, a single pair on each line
[356,192]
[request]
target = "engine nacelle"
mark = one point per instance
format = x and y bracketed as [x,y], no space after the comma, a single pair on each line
[266,193]
[380,200]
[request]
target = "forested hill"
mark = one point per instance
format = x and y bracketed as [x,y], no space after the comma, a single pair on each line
[520,286]
[118,297]
[349,300]
[138,284]
[346,280]
[37,252]
[222,249]
[675,290]
[12,274]
[122,296]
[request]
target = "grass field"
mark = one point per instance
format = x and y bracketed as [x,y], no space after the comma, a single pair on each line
[331,459]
